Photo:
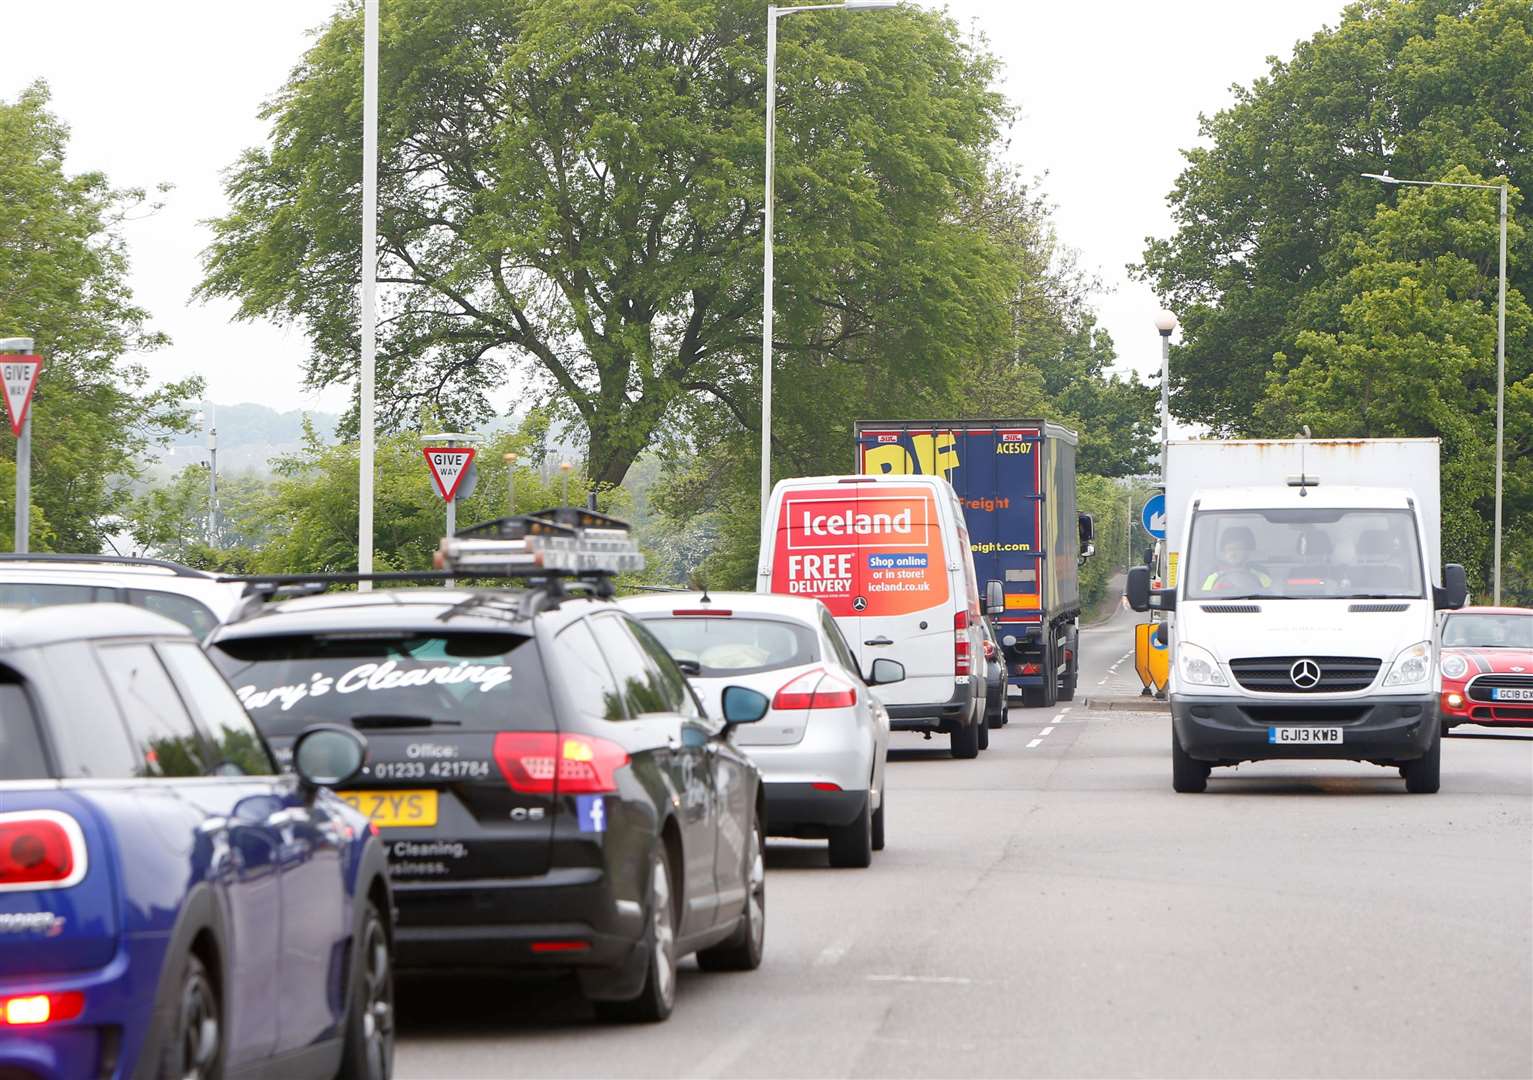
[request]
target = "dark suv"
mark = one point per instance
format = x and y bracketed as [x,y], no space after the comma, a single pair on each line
[551,793]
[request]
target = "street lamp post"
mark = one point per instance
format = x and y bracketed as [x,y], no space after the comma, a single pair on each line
[365,452]
[773,14]
[1500,352]
[1165,322]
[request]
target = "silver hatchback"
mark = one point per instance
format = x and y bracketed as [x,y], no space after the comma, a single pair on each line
[822,747]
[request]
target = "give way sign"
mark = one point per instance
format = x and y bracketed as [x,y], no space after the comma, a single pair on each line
[19,374]
[449,465]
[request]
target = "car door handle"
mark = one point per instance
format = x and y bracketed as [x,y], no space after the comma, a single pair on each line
[879,641]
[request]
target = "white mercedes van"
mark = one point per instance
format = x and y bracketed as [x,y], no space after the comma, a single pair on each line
[889,556]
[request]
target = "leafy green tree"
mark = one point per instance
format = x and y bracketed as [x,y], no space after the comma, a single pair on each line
[172,520]
[63,282]
[573,188]
[1268,211]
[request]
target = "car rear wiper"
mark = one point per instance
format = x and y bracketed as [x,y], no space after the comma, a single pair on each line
[400,720]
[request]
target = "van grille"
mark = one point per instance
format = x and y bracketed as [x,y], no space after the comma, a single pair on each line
[1274,674]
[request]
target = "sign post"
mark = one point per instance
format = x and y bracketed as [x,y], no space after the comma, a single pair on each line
[19,376]
[452,471]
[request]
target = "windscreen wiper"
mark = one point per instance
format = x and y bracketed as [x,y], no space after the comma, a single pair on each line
[400,720]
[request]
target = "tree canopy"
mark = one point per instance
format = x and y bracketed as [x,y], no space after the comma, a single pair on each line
[63,282]
[570,199]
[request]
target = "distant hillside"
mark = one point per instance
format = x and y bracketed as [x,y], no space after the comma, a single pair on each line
[249,436]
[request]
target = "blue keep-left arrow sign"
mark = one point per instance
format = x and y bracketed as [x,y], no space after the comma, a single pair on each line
[1153,516]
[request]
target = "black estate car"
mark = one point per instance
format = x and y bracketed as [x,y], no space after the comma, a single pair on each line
[551,793]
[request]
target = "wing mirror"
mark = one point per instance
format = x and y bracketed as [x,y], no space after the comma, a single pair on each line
[890,671]
[1455,588]
[995,597]
[742,705]
[690,668]
[1142,598]
[1087,528]
[328,755]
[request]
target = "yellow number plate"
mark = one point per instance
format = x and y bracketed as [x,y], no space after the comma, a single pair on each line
[391,809]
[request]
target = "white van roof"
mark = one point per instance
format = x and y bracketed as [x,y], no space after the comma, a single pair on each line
[1321,496]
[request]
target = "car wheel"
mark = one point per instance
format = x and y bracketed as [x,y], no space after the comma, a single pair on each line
[1423,776]
[658,997]
[195,1048]
[743,949]
[984,730]
[369,1051]
[878,819]
[999,716]
[1188,775]
[851,846]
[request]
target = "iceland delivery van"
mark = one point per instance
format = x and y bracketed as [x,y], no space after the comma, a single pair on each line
[890,557]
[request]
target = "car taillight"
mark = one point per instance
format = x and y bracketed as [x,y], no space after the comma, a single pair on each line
[30,1010]
[40,849]
[960,643]
[989,649]
[543,763]
[817,689]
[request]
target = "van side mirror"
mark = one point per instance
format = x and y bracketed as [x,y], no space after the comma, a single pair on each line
[1142,598]
[1455,588]
[886,672]
[995,597]
[1086,525]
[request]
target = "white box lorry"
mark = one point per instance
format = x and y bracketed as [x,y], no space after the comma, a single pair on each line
[1304,579]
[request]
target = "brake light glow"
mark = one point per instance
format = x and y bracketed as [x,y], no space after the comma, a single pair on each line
[816,689]
[960,643]
[543,763]
[40,849]
[35,1009]
[825,785]
[711,612]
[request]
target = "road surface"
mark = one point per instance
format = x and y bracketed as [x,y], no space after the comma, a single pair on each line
[1053,909]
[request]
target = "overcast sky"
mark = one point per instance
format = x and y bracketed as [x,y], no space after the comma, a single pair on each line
[167,90]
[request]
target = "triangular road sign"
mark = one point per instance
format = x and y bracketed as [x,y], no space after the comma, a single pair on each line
[449,465]
[19,374]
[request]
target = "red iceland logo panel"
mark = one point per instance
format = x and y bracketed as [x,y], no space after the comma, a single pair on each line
[862,550]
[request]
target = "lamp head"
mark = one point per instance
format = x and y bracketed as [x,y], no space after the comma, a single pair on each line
[1382,177]
[853,5]
[1165,322]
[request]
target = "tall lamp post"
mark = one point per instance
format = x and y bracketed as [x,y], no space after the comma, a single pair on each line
[1165,322]
[369,289]
[773,14]
[1385,178]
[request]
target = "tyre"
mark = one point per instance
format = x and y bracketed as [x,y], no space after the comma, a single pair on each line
[965,741]
[851,846]
[1423,776]
[1000,716]
[743,949]
[1049,692]
[1188,775]
[878,820]
[369,1049]
[194,1048]
[658,997]
[984,730]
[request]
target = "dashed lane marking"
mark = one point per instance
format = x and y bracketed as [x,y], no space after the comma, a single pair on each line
[944,980]
[832,953]
[1045,731]
[1034,743]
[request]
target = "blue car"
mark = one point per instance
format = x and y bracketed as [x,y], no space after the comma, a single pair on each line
[171,905]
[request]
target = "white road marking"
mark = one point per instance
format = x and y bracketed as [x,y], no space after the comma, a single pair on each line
[1034,743]
[1045,731]
[1066,709]
[833,953]
[945,980]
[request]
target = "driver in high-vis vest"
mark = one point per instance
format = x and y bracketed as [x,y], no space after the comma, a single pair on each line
[1233,569]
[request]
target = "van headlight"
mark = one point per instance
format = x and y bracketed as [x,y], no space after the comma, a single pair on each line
[1454,666]
[1412,665]
[1198,666]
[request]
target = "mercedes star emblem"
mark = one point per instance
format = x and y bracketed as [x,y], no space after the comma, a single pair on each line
[1305,674]
[860,604]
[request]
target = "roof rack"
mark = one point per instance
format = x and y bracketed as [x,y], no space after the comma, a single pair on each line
[115,560]
[562,541]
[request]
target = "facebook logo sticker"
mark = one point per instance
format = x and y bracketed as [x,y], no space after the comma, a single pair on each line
[592,812]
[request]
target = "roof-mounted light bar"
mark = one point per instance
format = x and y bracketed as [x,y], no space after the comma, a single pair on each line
[563,540]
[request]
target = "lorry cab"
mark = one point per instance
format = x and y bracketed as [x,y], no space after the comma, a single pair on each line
[889,556]
[1303,628]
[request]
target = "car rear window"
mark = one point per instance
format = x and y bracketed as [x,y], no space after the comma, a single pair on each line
[1489,631]
[469,682]
[734,645]
[21,748]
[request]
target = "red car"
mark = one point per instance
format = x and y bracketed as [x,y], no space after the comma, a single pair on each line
[1487,667]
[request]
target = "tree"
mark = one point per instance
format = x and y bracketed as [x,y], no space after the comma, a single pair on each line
[573,188]
[63,282]
[172,520]
[1268,211]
